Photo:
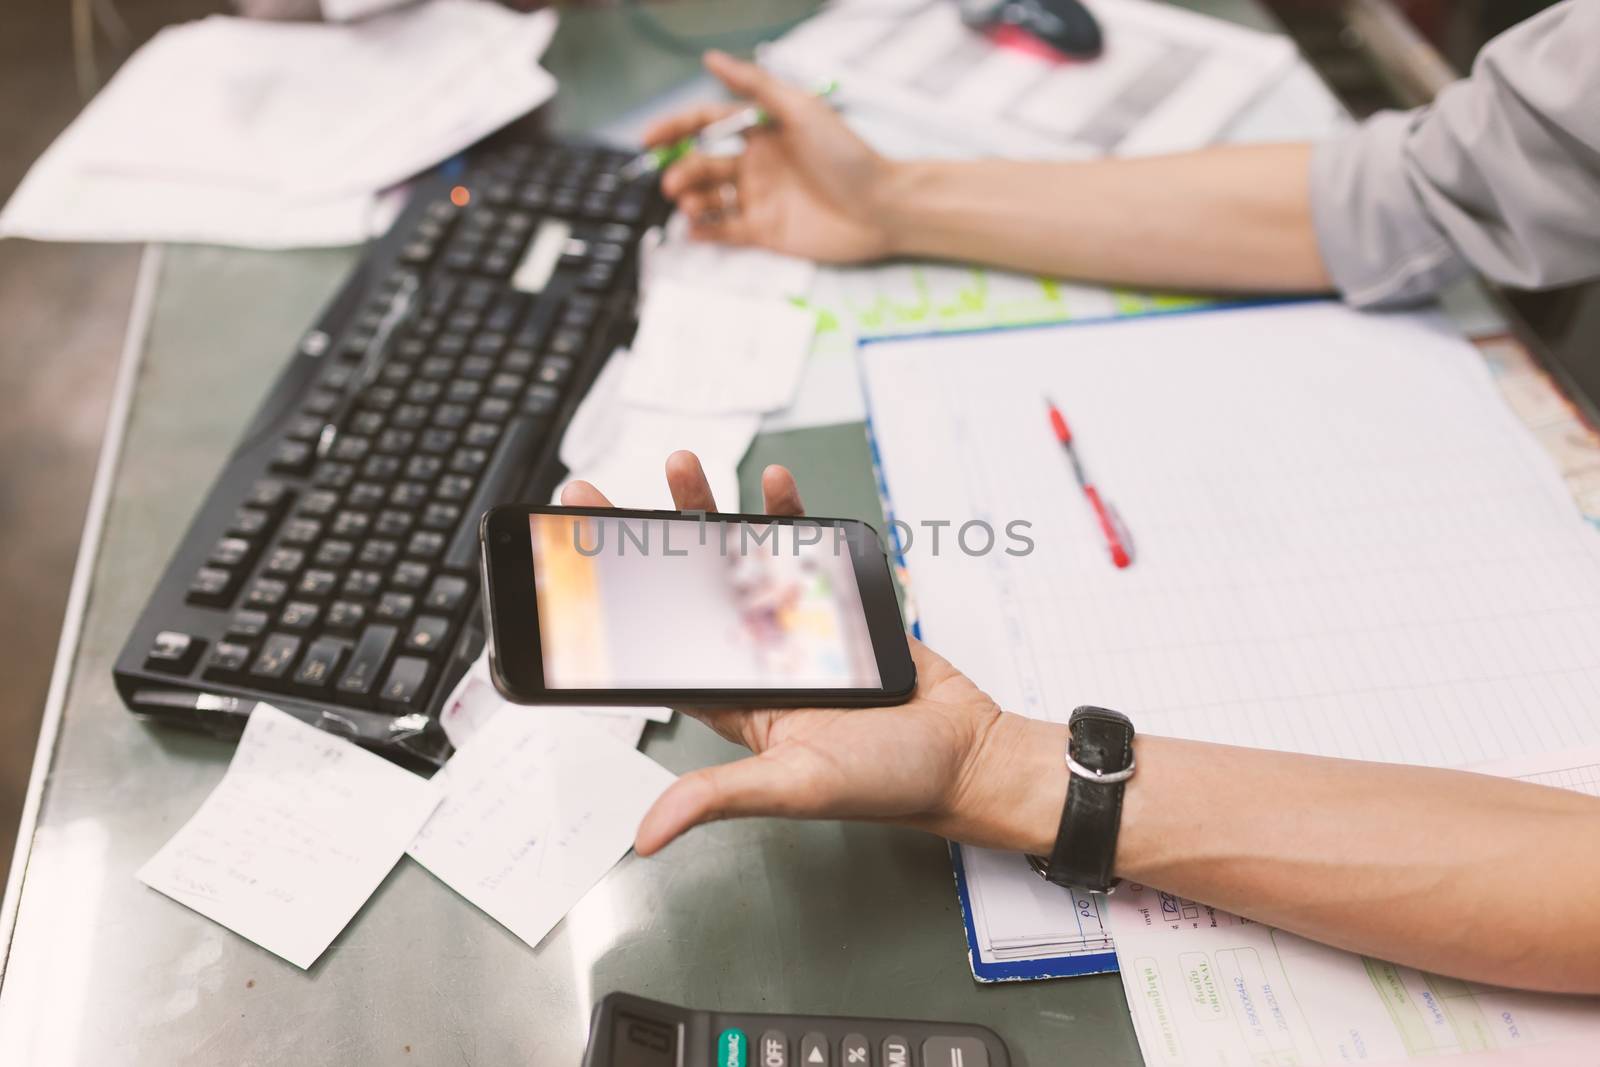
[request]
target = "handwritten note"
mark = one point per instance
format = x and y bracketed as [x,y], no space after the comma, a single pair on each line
[297,835]
[538,805]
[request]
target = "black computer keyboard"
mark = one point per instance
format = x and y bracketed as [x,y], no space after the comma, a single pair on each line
[332,569]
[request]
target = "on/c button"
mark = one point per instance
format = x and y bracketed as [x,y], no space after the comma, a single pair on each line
[733,1048]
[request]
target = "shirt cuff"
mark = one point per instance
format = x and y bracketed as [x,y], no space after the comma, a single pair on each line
[1376,239]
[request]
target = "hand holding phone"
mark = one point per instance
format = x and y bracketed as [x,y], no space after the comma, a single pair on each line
[947,761]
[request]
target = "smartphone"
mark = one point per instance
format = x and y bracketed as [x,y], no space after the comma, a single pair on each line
[611,606]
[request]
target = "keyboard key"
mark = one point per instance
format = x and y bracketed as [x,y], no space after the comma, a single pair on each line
[322,660]
[441,517]
[277,653]
[300,531]
[554,370]
[230,552]
[331,475]
[392,523]
[405,686]
[334,553]
[351,449]
[351,524]
[299,615]
[566,342]
[365,495]
[494,409]
[366,423]
[321,403]
[410,575]
[378,553]
[305,428]
[408,494]
[381,468]
[248,623]
[228,658]
[284,561]
[773,1049]
[451,416]
[317,583]
[895,1052]
[318,504]
[854,1051]
[505,385]
[345,616]
[268,495]
[395,607]
[292,457]
[425,544]
[248,522]
[446,594]
[814,1049]
[540,399]
[173,652]
[428,634]
[464,391]
[368,659]
[468,460]
[455,487]
[437,441]
[408,417]
[213,587]
[266,593]
[424,468]
[480,434]
[396,442]
[362,585]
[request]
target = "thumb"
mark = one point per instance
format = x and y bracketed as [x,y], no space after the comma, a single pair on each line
[750,81]
[756,785]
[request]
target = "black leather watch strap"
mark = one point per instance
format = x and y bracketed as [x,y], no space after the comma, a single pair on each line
[1086,843]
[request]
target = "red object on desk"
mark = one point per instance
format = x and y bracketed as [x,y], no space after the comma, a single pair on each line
[1118,544]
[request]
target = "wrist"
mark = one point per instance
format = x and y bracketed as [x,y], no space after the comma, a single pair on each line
[1015,786]
[895,207]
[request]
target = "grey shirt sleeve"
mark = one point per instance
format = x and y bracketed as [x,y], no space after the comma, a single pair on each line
[1501,173]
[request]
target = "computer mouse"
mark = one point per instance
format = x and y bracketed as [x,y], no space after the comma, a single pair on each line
[1065,27]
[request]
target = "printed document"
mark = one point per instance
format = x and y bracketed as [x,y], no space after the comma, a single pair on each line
[1166,80]
[1345,543]
[297,835]
[1207,987]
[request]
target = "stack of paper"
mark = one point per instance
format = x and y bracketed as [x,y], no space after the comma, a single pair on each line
[534,808]
[721,343]
[274,135]
[1323,562]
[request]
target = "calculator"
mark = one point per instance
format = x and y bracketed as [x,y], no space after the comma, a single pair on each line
[630,1031]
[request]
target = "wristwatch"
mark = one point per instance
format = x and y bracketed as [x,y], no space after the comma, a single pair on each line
[1100,761]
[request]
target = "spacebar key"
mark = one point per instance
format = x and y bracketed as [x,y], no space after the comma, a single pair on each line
[516,454]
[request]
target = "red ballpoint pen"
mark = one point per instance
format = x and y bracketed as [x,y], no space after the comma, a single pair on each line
[1105,514]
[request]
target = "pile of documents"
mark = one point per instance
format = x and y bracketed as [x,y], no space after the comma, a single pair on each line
[534,808]
[721,344]
[276,135]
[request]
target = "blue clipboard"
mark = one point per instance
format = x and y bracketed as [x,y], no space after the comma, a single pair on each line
[1047,966]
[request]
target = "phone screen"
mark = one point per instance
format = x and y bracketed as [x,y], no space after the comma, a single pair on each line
[680,603]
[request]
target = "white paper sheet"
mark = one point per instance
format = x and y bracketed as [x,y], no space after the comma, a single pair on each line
[744,271]
[1166,80]
[622,449]
[297,835]
[705,351]
[270,134]
[475,701]
[1207,987]
[1345,543]
[537,807]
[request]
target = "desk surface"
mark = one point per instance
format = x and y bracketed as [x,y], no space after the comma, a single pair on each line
[757,915]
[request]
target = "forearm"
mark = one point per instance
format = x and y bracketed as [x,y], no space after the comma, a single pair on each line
[1429,868]
[1235,218]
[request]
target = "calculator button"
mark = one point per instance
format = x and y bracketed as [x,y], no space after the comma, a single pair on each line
[773,1050]
[733,1048]
[813,1050]
[954,1052]
[853,1051]
[896,1052]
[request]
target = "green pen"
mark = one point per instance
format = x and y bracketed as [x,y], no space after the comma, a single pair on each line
[660,158]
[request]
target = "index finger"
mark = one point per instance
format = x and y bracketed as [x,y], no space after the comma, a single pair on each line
[686,123]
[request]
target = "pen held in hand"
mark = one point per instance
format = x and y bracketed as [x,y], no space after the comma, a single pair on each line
[659,158]
[1116,535]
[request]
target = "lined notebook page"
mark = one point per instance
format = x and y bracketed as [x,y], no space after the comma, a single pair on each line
[1345,544]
